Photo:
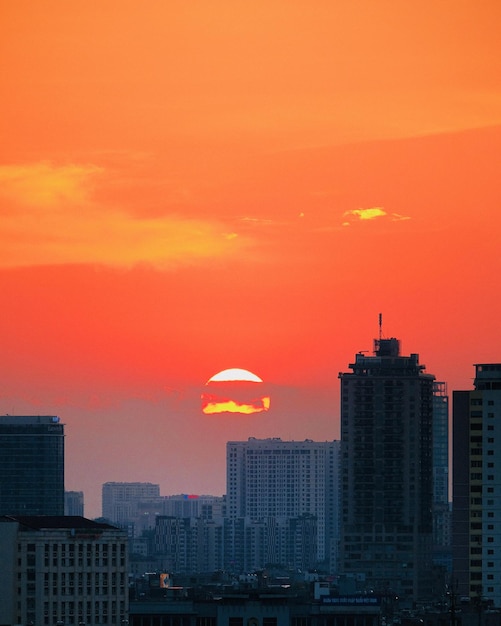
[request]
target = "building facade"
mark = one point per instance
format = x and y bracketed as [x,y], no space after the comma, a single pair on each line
[120,500]
[271,478]
[181,505]
[440,443]
[263,607]
[442,513]
[187,545]
[74,503]
[31,465]
[477,487]
[62,570]
[387,472]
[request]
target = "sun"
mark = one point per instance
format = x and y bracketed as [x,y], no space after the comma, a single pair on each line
[235,373]
[234,390]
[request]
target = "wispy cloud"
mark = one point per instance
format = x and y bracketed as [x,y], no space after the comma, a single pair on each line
[43,186]
[49,216]
[257,220]
[396,217]
[371,213]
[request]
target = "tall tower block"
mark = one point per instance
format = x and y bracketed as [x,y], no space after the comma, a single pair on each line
[31,465]
[387,472]
[476,485]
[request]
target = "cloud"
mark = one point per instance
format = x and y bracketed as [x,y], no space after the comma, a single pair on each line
[371,214]
[43,186]
[399,218]
[257,220]
[49,216]
[367,214]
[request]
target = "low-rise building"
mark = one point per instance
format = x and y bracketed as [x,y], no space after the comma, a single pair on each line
[62,570]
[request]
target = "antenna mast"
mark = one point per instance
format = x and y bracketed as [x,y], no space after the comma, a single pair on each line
[380,326]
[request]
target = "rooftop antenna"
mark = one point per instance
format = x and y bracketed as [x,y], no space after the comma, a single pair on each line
[380,326]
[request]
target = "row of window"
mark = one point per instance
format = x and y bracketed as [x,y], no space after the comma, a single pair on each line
[71,548]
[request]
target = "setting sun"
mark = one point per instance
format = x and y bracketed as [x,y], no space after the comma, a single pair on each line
[235,373]
[234,390]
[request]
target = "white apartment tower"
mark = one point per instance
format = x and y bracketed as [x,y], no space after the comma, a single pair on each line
[477,487]
[120,500]
[271,478]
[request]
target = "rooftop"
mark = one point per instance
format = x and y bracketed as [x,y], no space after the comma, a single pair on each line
[65,522]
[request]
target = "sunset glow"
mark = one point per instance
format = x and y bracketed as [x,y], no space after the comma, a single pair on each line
[185,185]
[215,405]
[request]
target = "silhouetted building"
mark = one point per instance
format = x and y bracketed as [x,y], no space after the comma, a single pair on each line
[387,472]
[477,487]
[440,443]
[74,503]
[271,478]
[31,465]
[442,511]
[261,606]
[62,570]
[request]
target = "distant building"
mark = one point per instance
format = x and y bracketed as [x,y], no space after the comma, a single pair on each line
[31,465]
[120,500]
[74,503]
[180,505]
[477,487]
[287,542]
[62,570]
[387,406]
[189,544]
[286,480]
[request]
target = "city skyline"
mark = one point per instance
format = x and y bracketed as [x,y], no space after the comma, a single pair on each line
[191,188]
[92,492]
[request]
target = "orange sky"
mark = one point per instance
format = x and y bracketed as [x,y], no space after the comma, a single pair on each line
[191,186]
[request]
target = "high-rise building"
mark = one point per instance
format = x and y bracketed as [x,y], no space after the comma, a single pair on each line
[440,443]
[62,570]
[120,500]
[250,545]
[441,505]
[74,503]
[188,544]
[180,505]
[31,465]
[387,472]
[271,478]
[476,416]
